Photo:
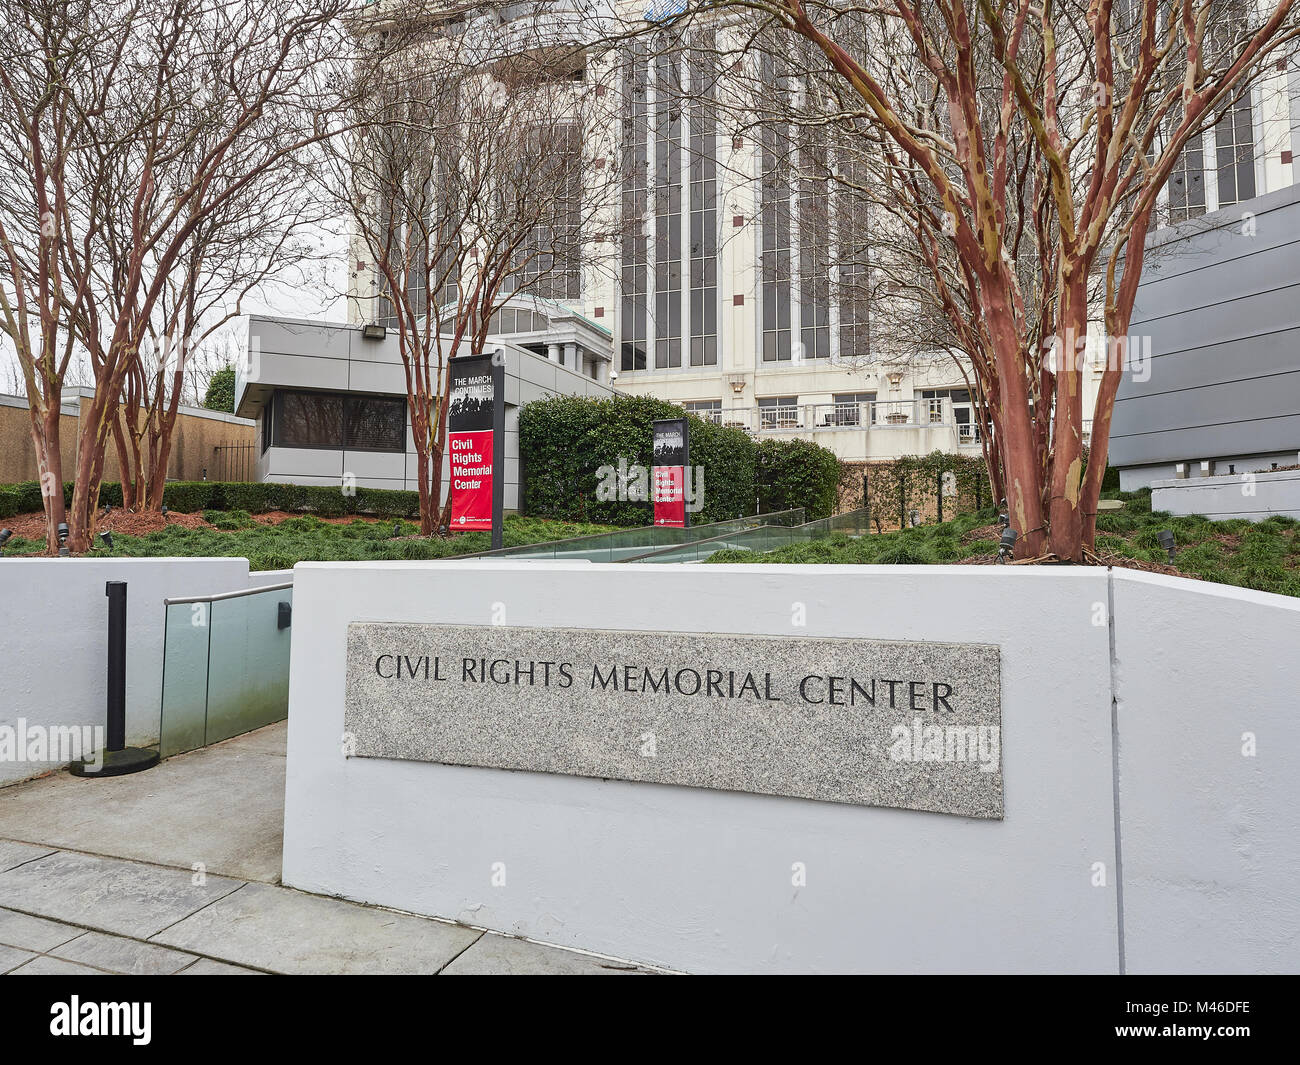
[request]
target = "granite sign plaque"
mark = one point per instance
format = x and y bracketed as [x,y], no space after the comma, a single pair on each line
[879,723]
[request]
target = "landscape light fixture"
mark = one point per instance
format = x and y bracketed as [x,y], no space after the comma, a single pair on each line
[1165,537]
[164,512]
[374,331]
[914,518]
[107,537]
[397,528]
[1006,545]
[63,540]
[4,537]
[1004,519]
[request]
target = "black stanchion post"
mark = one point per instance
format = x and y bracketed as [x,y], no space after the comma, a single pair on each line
[115,729]
[116,759]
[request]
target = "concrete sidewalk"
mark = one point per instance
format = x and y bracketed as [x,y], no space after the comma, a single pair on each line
[176,870]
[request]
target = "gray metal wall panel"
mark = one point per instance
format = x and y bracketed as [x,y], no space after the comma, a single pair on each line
[1222,310]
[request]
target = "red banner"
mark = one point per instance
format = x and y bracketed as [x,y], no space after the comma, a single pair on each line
[471,479]
[670,496]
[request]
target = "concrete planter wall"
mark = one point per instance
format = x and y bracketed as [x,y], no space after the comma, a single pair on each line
[1254,496]
[54,633]
[1136,836]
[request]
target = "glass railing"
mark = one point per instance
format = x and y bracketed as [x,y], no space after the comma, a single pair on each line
[625,544]
[225,666]
[761,539]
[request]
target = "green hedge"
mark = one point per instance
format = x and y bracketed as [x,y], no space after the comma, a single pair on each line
[797,473]
[254,497]
[565,440]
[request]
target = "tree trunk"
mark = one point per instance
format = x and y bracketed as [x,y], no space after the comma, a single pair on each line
[45,428]
[1015,432]
[428,503]
[1066,450]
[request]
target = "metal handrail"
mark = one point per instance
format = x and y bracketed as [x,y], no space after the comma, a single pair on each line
[227,595]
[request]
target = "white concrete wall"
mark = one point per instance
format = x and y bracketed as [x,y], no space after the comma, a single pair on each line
[698,879]
[54,638]
[1138,835]
[1251,496]
[264,577]
[1210,836]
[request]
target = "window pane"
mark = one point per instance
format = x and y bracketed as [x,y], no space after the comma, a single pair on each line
[376,423]
[310,419]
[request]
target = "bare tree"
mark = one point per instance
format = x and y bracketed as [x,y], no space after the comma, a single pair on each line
[128,127]
[475,175]
[1014,154]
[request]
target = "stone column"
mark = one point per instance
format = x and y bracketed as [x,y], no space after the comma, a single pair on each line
[553,352]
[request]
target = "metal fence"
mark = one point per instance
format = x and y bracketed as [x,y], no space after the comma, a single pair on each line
[232,462]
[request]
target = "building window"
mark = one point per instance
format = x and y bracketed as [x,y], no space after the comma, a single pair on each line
[778,412]
[549,261]
[774,224]
[339,421]
[374,423]
[703,210]
[266,426]
[633,316]
[668,211]
[1234,149]
[708,409]
[1187,183]
[853,408]
[853,220]
[963,411]
[814,248]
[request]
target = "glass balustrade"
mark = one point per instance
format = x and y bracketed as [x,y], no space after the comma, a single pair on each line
[225,666]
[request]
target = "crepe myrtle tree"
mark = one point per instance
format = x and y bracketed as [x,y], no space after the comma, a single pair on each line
[126,128]
[266,235]
[474,175]
[1021,149]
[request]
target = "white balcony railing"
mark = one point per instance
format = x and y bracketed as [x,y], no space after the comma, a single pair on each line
[805,417]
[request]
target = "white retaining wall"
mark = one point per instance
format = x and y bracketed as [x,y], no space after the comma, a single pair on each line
[1251,496]
[700,880]
[1210,833]
[54,639]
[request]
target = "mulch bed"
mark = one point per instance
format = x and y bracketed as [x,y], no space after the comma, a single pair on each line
[32,526]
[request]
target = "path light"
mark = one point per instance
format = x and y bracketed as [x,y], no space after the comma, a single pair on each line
[1006,545]
[1004,519]
[165,511]
[1166,540]
[397,528]
[63,539]
[107,537]
[4,537]
[914,518]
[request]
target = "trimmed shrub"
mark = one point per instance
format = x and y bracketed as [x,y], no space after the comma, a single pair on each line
[564,441]
[797,473]
[254,497]
[189,496]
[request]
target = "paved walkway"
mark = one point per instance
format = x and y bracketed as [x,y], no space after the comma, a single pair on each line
[161,873]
